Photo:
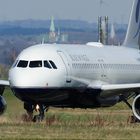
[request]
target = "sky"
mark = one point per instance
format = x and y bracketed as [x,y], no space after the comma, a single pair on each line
[89,10]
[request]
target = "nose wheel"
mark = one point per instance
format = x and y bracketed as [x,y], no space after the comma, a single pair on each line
[38,108]
[41,115]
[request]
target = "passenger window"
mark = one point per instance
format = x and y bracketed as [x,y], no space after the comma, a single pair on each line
[22,64]
[47,65]
[35,64]
[53,65]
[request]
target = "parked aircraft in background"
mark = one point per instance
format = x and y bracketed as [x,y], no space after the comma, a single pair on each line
[79,76]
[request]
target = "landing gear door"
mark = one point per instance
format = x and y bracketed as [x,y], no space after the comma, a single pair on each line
[67,65]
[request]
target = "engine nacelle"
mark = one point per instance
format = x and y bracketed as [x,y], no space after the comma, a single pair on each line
[136,107]
[3,105]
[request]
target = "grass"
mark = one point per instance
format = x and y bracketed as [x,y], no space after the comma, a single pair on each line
[109,123]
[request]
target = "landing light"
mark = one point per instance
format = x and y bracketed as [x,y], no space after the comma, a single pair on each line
[37,107]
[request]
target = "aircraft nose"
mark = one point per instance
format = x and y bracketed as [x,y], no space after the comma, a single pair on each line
[23,78]
[26,78]
[35,77]
[16,78]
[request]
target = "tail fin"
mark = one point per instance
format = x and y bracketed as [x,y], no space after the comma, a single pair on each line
[133,32]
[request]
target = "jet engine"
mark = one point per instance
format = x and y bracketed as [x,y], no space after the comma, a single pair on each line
[136,107]
[3,105]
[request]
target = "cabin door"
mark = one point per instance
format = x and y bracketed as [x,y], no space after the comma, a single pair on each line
[67,65]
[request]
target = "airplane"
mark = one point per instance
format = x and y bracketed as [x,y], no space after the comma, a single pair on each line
[79,76]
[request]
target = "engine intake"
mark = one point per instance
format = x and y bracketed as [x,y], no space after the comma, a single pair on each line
[3,105]
[136,107]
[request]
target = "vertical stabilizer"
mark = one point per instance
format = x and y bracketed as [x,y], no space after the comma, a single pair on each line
[133,32]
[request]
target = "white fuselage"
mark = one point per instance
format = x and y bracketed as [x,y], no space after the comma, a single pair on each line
[104,65]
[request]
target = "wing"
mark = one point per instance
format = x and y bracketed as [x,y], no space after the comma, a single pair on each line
[107,90]
[4,83]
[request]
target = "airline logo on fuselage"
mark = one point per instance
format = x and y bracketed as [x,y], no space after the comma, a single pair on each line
[79,57]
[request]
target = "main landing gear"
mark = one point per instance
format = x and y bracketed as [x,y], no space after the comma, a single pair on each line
[38,108]
[131,119]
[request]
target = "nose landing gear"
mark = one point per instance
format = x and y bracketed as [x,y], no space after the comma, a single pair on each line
[40,116]
[38,108]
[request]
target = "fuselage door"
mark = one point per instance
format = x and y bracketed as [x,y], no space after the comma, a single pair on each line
[67,65]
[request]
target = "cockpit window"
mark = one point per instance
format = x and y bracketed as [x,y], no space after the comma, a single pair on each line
[53,64]
[35,64]
[22,64]
[14,64]
[47,65]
